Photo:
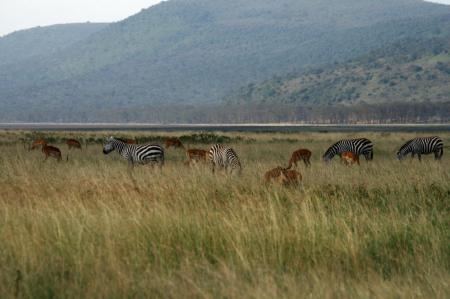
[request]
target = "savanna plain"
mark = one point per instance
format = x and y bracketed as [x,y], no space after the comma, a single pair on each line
[91,227]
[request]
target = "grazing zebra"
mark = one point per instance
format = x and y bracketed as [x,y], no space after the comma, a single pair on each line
[135,153]
[361,146]
[422,146]
[224,157]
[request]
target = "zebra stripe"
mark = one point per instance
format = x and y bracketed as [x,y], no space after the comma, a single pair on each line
[224,157]
[135,153]
[422,146]
[360,146]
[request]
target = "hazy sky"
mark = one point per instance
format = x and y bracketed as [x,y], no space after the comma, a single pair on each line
[22,14]
[441,1]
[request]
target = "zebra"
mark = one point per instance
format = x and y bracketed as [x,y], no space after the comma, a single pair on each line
[135,153]
[360,146]
[422,146]
[224,157]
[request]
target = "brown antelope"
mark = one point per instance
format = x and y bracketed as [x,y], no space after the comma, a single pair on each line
[127,141]
[73,143]
[290,178]
[285,176]
[349,158]
[51,151]
[38,143]
[301,154]
[272,174]
[196,155]
[175,142]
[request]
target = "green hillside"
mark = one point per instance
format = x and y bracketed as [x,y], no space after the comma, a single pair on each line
[197,51]
[411,71]
[25,44]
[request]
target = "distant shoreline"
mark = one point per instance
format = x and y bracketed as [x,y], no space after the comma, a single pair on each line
[282,127]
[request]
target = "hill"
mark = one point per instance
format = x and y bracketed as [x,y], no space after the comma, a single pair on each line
[411,71]
[196,51]
[25,44]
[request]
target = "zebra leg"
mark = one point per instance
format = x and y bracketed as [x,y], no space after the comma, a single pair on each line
[130,164]
[160,163]
[420,157]
[438,154]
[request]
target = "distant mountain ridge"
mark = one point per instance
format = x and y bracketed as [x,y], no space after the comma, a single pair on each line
[24,44]
[197,51]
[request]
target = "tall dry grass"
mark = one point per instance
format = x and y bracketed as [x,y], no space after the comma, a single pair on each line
[90,228]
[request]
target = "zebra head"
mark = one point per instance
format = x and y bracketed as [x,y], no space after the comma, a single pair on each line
[404,150]
[329,154]
[400,155]
[109,145]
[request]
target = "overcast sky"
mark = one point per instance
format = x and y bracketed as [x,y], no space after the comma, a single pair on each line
[23,14]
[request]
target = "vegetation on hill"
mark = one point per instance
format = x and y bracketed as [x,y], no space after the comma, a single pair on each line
[411,71]
[407,81]
[33,43]
[197,51]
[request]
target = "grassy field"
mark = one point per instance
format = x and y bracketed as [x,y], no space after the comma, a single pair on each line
[90,228]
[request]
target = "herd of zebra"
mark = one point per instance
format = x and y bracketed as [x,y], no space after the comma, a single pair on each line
[224,157]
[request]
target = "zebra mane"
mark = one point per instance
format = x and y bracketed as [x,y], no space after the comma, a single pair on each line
[404,146]
[112,139]
[119,139]
[116,143]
